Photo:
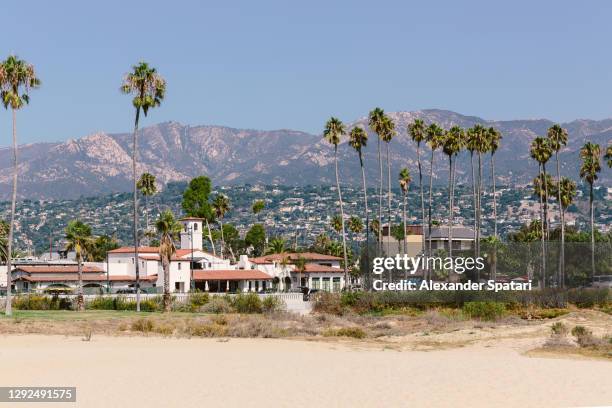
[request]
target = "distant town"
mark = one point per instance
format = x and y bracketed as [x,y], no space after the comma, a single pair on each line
[298,214]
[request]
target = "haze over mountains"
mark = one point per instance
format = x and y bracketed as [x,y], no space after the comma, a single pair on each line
[101,163]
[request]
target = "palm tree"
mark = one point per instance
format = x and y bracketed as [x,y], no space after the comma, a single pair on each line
[481,140]
[566,197]
[221,206]
[495,137]
[404,182]
[79,240]
[334,130]
[375,228]
[471,144]
[300,266]
[358,139]
[417,133]
[540,151]
[168,229]
[557,139]
[16,80]
[452,144]
[147,187]
[276,246]
[388,133]
[376,123]
[336,224]
[435,135]
[148,88]
[355,224]
[608,156]
[589,153]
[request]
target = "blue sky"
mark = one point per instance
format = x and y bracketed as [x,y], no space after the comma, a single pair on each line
[292,64]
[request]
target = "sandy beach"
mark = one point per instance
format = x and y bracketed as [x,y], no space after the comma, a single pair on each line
[170,372]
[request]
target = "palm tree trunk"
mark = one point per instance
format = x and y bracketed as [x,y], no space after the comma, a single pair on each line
[166,299]
[405,235]
[561,272]
[430,204]
[222,238]
[146,197]
[592,232]
[545,180]
[474,202]
[450,209]
[367,217]
[479,210]
[80,302]
[135,218]
[422,201]
[212,243]
[9,246]
[380,197]
[494,264]
[543,274]
[389,207]
[341,216]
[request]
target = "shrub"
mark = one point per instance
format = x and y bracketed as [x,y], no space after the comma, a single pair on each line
[354,332]
[197,300]
[559,329]
[484,310]
[217,304]
[249,303]
[40,302]
[328,303]
[272,304]
[143,325]
[121,303]
[207,330]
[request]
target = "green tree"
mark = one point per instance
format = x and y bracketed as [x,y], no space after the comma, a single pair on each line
[256,238]
[334,130]
[494,139]
[148,88]
[276,246]
[417,133]
[557,139]
[355,225]
[471,144]
[258,206]
[168,229]
[101,245]
[300,266]
[79,240]
[147,187]
[17,78]
[388,131]
[541,152]
[589,170]
[336,224]
[221,206]
[481,140]
[404,181]
[4,230]
[608,156]
[195,203]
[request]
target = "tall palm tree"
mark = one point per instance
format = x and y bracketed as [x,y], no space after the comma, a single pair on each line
[355,224]
[417,133]
[221,206]
[435,137]
[376,123]
[495,137]
[541,152]
[388,131]
[481,142]
[300,266]
[149,89]
[147,187]
[557,138]
[276,246]
[168,229]
[333,133]
[17,79]
[336,223]
[452,144]
[589,153]
[471,144]
[79,240]
[358,139]
[566,195]
[404,181]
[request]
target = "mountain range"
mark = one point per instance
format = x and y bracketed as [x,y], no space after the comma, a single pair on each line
[101,162]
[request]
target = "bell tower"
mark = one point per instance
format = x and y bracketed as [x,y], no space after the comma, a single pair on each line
[191,234]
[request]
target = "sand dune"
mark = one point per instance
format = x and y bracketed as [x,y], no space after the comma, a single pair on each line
[158,372]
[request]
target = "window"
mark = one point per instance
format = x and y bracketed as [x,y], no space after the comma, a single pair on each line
[336,285]
[179,266]
[195,227]
[325,284]
[132,260]
[177,286]
[185,227]
[316,283]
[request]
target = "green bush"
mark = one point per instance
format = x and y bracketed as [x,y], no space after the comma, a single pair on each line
[40,302]
[559,329]
[272,304]
[217,304]
[354,332]
[121,303]
[249,303]
[328,303]
[143,325]
[484,310]
[197,300]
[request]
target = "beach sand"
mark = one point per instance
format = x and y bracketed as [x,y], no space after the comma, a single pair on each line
[169,372]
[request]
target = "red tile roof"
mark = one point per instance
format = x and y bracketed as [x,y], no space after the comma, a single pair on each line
[86,278]
[130,250]
[230,274]
[314,268]
[57,269]
[308,256]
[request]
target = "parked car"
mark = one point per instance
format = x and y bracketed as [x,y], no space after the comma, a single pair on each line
[602,281]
